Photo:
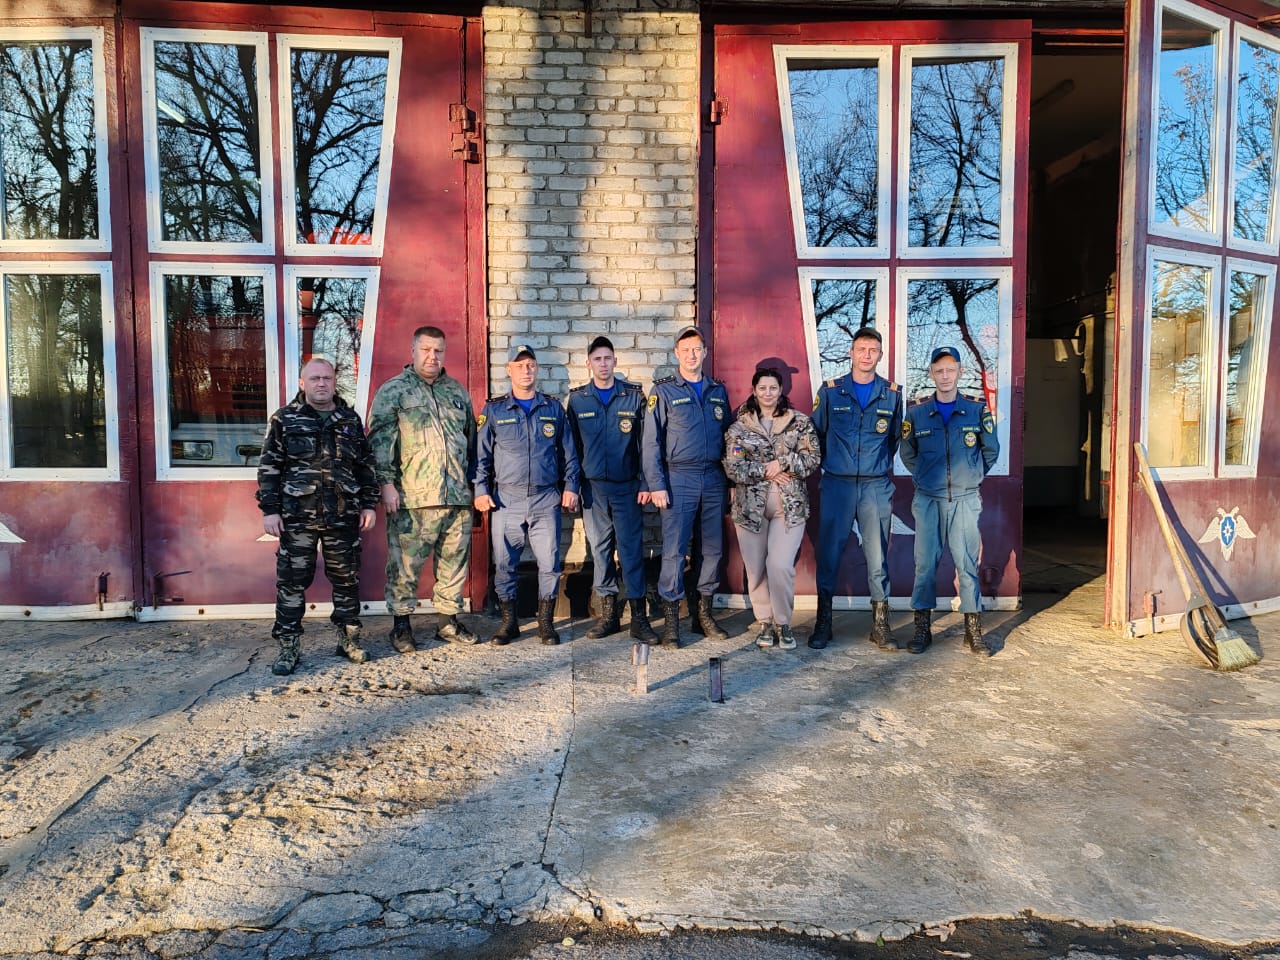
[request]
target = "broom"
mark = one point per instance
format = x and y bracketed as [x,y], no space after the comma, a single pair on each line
[1233,653]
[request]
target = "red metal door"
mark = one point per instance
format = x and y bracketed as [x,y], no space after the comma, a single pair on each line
[307,188]
[875,173]
[1195,303]
[67,440]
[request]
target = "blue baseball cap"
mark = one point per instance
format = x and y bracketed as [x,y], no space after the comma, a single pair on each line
[941,352]
[519,350]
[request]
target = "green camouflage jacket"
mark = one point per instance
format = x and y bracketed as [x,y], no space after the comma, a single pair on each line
[315,467]
[424,438]
[748,449]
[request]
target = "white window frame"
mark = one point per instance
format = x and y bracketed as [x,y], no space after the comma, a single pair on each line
[1242,36]
[1209,384]
[883,57]
[287,43]
[880,275]
[1222,177]
[150,142]
[1257,394]
[1004,359]
[95,35]
[165,470]
[110,401]
[371,276]
[1008,136]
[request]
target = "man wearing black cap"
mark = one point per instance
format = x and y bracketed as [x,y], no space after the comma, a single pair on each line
[858,418]
[687,416]
[526,471]
[605,422]
[949,444]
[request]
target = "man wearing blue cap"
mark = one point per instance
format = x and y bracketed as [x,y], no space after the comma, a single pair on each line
[526,470]
[949,444]
[686,419]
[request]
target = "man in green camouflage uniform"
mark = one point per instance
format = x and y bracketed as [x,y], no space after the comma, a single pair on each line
[422,429]
[316,487]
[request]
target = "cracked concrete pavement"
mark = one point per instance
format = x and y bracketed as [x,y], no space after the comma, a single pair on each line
[158,783]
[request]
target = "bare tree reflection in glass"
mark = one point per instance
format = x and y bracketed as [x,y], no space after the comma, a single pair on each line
[338,107]
[1246,309]
[55,370]
[840,308]
[1255,141]
[1176,370]
[48,149]
[1186,126]
[836,132]
[332,325]
[957,111]
[207,125]
[962,313]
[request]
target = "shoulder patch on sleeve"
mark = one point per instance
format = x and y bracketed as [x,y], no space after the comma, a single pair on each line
[906,428]
[652,401]
[480,420]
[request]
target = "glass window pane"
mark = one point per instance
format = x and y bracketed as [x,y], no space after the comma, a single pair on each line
[216,351]
[339,100]
[1246,333]
[48,146]
[207,128]
[1176,370]
[56,369]
[330,322]
[1255,142]
[1187,123]
[840,308]
[957,312]
[835,115]
[957,120]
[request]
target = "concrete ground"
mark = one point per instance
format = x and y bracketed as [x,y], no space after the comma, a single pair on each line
[158,783]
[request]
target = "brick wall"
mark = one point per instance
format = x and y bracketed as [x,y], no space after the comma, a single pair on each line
[591,146]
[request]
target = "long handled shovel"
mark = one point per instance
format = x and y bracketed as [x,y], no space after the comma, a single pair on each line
[1203,626]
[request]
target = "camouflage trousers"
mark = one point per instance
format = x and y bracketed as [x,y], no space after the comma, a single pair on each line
[442,533]
[296,568]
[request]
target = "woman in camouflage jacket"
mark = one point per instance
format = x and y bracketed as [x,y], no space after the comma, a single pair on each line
[769,451]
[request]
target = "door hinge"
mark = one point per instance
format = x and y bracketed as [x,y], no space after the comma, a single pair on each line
[718,110]
[463,140]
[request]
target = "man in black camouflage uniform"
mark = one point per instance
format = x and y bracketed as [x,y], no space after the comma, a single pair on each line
[316,486]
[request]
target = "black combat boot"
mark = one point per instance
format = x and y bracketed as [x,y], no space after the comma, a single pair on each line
[973,638]
[641,629]
[546,614]
[449,629]
[707,625]
[608,623]
[671,622]
[402,634]
[508,629]
[881,632]
[923,636]
[821,635]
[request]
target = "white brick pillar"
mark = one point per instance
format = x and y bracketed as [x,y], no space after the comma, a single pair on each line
[591,146]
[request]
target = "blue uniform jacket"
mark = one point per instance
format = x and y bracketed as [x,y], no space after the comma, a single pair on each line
[857,442]
[679,432]
[526,454]
[949,460]
[607,439]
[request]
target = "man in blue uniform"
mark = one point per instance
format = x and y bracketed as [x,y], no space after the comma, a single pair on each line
[949,444]
[686,419]
[526,470]
[858,418]
[604,418]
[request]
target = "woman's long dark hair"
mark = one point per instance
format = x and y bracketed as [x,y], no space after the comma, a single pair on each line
[753,405]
